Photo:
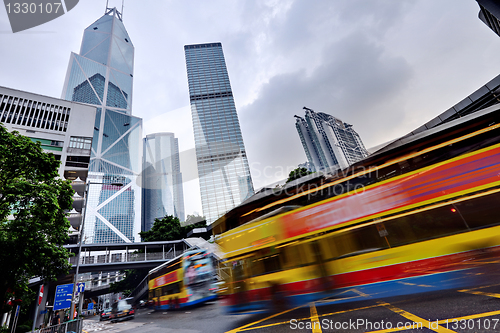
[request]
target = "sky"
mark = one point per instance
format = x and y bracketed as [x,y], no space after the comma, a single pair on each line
[386,67]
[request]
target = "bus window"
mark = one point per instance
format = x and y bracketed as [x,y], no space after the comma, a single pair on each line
[429,224]
[480,212]
[325,249]
[341,244]
[289,257]
[157,292]
[306,254]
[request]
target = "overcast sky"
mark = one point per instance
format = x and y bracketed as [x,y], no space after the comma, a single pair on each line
[386,67]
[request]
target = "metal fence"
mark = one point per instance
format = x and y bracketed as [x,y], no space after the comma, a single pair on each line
[73,326]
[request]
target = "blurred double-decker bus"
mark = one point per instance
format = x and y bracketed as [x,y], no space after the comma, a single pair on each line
[186,280]
[418,215]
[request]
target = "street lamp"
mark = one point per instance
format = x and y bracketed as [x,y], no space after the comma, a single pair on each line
[75,280]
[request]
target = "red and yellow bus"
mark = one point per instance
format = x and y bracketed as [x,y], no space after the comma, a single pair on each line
[186,280]
[411,218]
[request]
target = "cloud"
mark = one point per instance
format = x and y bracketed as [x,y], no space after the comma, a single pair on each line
[356,81]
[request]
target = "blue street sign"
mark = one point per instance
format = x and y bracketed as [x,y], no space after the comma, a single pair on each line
[90,306]
[80,287]
[64,293]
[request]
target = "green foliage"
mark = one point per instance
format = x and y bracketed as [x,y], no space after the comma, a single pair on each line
[169,228]
[33,224]
[297,173]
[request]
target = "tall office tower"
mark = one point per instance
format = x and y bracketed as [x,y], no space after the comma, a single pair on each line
[223,170]
[328,142]
[102,75]
[162,192]
[489,13]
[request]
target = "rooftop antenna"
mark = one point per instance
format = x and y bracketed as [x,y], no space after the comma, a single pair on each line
[108,10]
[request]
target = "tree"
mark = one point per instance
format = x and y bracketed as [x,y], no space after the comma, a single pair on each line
[169,228]
[297,173]
[33,223]
[192,219]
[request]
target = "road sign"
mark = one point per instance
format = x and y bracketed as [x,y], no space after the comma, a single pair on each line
[90,306]
[80,287]
[64,293]
[40,295]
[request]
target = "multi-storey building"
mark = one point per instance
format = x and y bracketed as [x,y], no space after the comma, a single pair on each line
[223,170]
[329,143]
[102,75]
[63,128]
[162,192]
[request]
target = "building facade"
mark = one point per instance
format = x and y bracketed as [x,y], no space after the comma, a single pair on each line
[63,128]
[329,143]
[223,169]
[102,75]
[162,192]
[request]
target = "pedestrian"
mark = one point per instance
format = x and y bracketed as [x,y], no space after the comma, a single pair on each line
[56,320]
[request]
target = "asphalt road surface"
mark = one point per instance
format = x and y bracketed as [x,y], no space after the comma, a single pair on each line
[466,310]
[471,309]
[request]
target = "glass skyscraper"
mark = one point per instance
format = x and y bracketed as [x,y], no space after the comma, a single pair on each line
[328,142]
[162,192]
[102,75]
[223,170]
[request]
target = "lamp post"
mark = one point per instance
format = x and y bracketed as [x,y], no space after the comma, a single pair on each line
[75,280]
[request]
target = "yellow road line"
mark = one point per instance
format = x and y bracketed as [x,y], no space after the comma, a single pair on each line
[416,319]
[316,325]
[264,319]
[482,293]
[303,319]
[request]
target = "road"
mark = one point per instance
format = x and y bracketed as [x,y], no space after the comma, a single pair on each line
[464,310]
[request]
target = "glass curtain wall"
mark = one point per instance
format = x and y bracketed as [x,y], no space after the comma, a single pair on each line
[223,169]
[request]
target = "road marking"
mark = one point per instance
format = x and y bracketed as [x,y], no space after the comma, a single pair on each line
[316,325]
[415,319]
[414,284]
[304,319]
[360,293]
[482,293]
[264,319]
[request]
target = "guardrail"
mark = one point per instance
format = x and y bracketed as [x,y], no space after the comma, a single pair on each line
[73,326]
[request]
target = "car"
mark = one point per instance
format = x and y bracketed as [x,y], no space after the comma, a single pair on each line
[105,314]
[122,310]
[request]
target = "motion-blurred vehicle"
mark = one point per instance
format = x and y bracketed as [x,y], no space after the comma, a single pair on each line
[122,310]
[186,280]
[105,314]
[419,215]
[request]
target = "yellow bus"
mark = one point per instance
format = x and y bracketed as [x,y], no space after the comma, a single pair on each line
[408,219]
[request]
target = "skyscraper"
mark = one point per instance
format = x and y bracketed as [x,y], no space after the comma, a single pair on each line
[223,170]
[102,75]
[162,192]
[328,142]
[489,13]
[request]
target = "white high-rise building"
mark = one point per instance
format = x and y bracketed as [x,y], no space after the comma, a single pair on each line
[329,143]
